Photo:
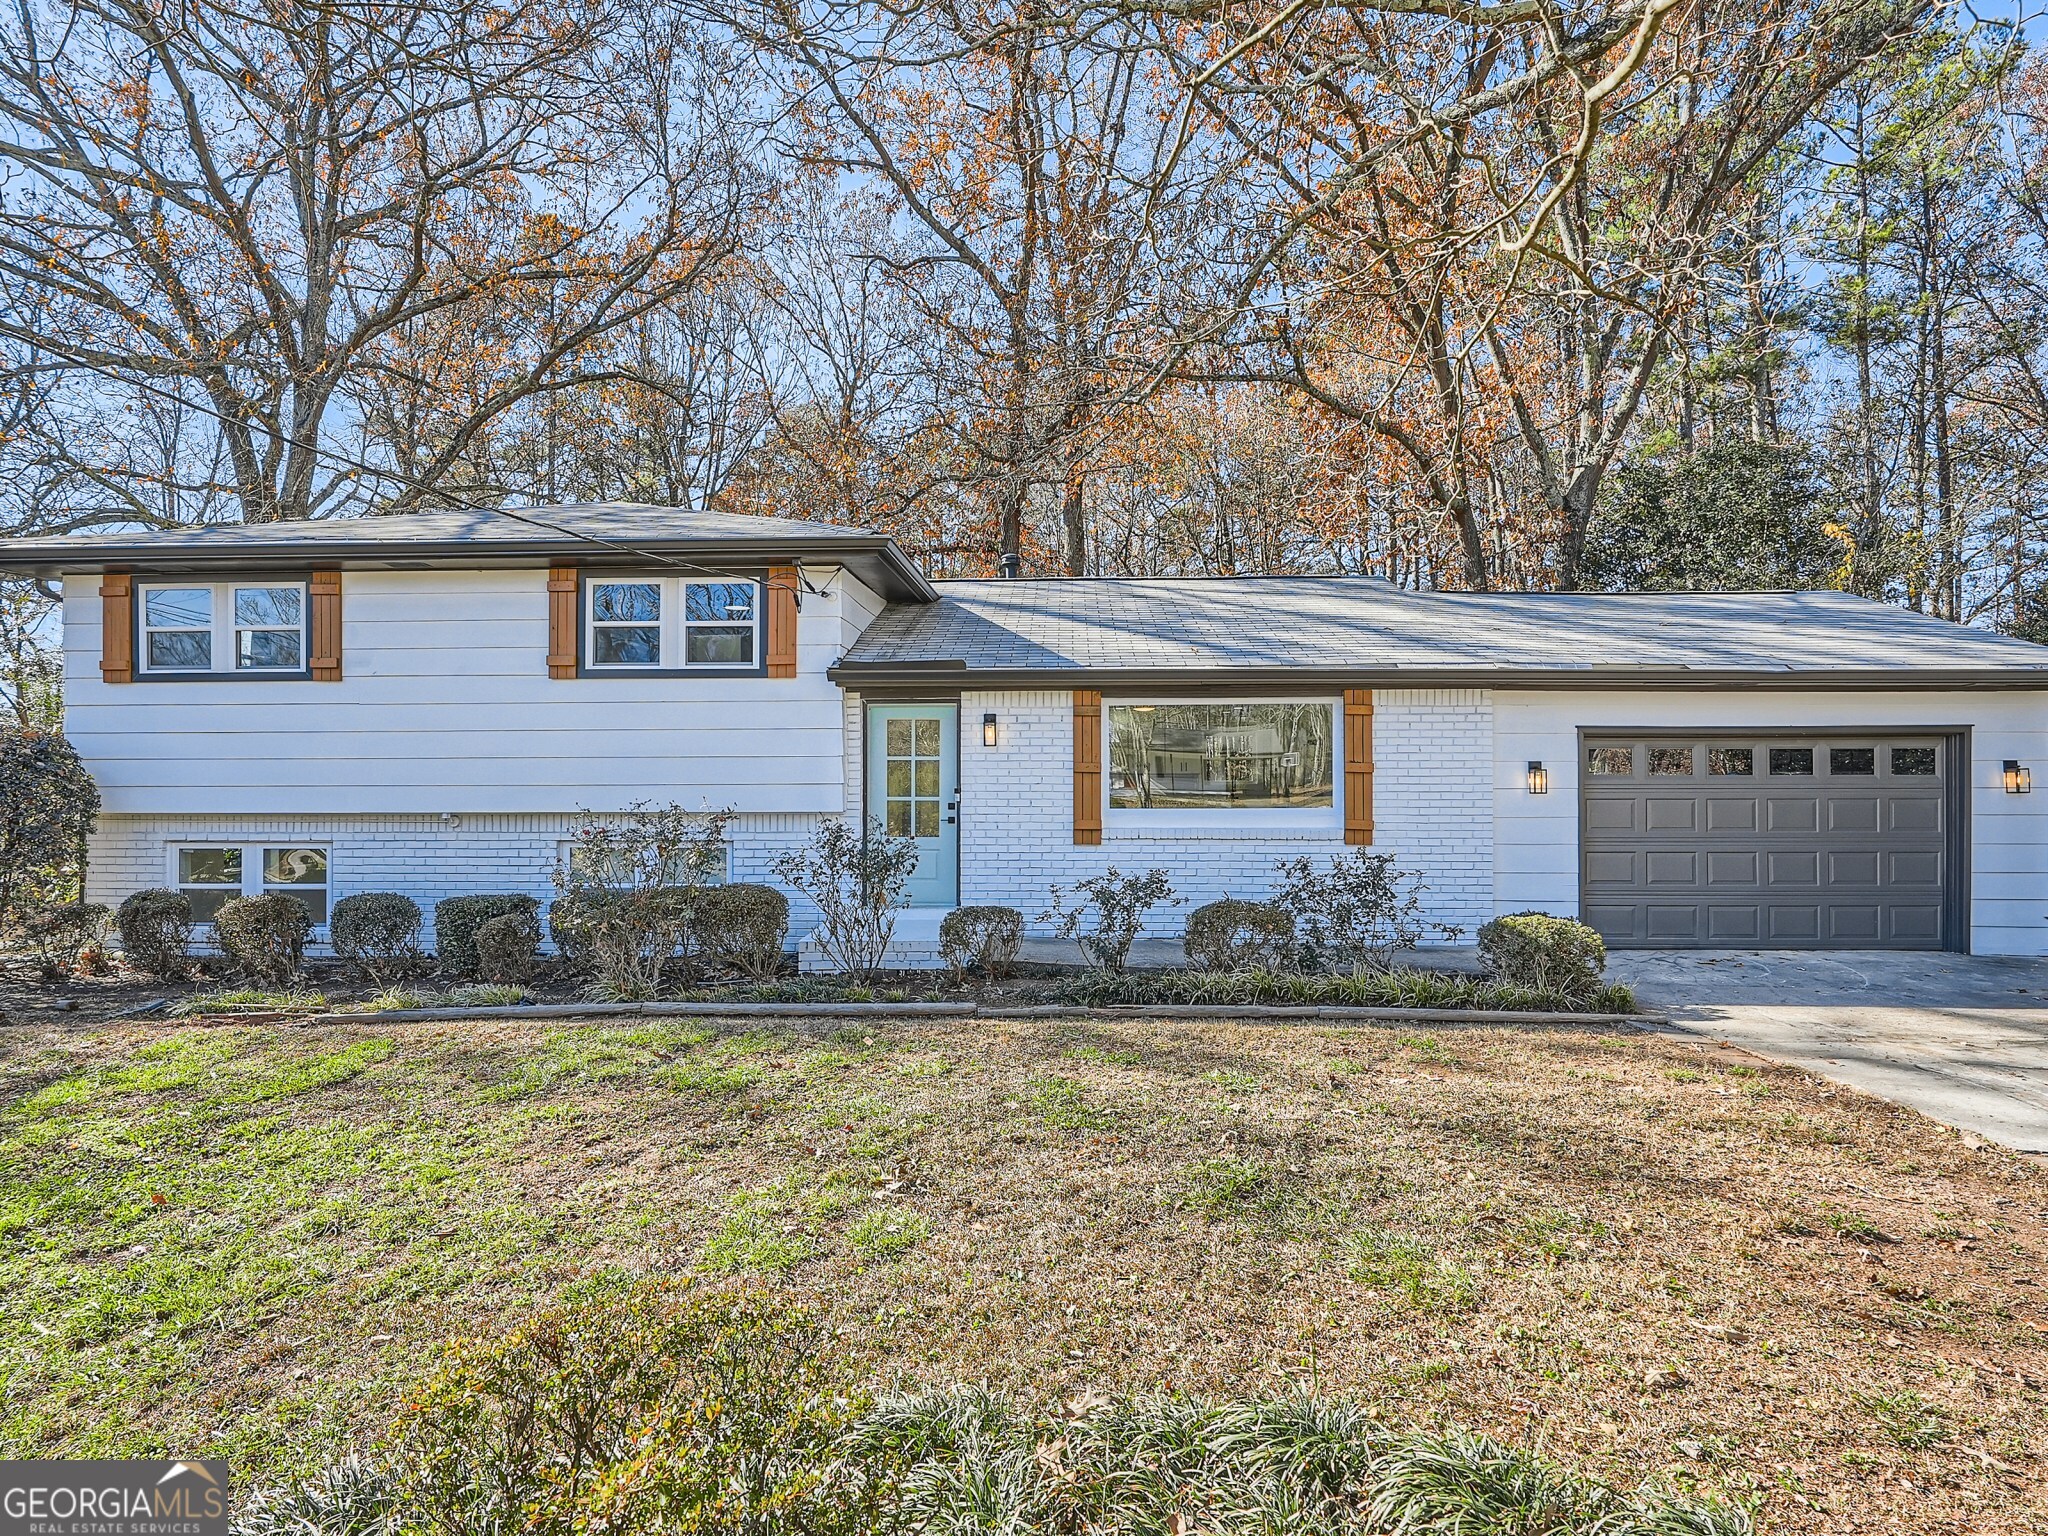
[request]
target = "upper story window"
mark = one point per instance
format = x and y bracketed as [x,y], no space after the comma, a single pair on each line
[671,624]
[223,627]
[1253,757]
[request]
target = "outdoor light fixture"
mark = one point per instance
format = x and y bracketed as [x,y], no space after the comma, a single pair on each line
[2018,780]
[1539,779]
[988,730]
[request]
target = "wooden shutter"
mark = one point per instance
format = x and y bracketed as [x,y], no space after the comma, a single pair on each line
[117,627]
[782,587]
[1358,767]
[562,626]
[1087,766]
[323,604]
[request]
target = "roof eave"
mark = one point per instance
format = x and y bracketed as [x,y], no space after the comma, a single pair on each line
[859,675]
[875,556]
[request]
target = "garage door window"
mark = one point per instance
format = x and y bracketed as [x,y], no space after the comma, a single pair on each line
[1791,762]
[1731,762]
[1611,760]
[1852,760]
[1669,762]
[1913,762]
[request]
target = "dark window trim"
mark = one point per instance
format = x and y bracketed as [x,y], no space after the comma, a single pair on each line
[611,674]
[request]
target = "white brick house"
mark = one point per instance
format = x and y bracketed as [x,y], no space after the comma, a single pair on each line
[432,704]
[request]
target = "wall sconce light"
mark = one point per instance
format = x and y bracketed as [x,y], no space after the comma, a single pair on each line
[2018,780]
[1539,779]
[988,730]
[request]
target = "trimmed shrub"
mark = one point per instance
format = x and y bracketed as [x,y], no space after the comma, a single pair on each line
[505,948]
[156,932]
[626,940]
[1548,953]
[981,939]
[61,934]
[1230,935]
[742,927]
[264,937]
[569,928]
[52,804]
[857,882]
[1356,915]
[378,934]
[1119,901]
[457,919]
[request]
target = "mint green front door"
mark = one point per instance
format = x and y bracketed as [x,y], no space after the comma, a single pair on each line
[914,791]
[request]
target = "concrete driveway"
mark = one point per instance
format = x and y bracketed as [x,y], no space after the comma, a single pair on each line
[1961,1038]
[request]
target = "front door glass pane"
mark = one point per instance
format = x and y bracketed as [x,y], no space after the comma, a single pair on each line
[911,778]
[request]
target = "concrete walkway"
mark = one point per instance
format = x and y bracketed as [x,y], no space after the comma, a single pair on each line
[1961,1038]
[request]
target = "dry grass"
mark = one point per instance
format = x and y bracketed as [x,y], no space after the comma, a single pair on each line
[1647,1258]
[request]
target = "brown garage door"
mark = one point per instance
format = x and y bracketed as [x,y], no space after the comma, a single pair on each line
[1766,842]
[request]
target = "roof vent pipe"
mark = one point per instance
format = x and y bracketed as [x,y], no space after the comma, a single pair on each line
[1008,566]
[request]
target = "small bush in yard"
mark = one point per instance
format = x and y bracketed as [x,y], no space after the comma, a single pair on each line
[742,927]
[62,935]
[983,940]
[1233,935]
[1356,915]
[52,804]
[457,919]
[1550,954]
[632,882]
[857,884]
[378,934]
[1119,902]
[506,948]
[156,932]
[264,937]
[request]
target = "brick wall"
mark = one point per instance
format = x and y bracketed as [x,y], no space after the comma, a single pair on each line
[1433,809]
[417,856]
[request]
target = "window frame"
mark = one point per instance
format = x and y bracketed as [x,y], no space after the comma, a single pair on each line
[673,623]
[223,631]
[253,883]
[1314,821]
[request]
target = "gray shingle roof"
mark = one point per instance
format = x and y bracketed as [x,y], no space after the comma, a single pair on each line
[1364,626]
[612,532]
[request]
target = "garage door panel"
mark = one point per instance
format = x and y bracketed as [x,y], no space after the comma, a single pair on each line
[1796,842]
[1608,866]
[1610,813]
[1792,867]
[1731,866]
[1734,925]
[1917,813]
[1669,813]
[1792,813]
[1669,866]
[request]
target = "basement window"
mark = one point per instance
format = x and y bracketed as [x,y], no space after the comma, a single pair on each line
[211,875]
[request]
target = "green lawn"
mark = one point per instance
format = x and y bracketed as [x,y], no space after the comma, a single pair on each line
[1653,1260]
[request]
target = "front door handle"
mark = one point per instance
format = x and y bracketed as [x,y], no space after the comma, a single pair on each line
[951,819]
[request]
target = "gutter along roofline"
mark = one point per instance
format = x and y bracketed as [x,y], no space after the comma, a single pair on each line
[859,676]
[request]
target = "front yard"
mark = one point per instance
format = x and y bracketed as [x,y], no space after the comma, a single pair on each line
[1652,1259]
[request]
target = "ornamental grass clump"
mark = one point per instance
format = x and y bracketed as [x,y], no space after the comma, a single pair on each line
[264,937]
[156,932]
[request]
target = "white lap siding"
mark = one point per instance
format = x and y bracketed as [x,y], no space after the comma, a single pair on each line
[445,705]
[1433,811]
[418,856]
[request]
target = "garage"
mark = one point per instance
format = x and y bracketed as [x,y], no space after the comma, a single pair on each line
[1774,841]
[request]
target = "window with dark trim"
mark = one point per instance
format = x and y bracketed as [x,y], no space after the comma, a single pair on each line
[671,624]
